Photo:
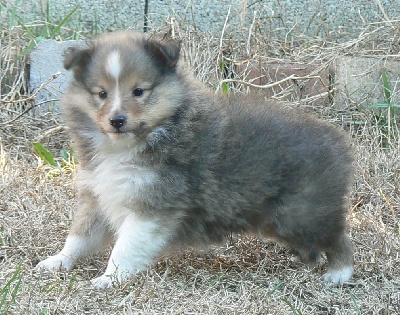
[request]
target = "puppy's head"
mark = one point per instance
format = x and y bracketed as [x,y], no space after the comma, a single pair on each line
[130,82]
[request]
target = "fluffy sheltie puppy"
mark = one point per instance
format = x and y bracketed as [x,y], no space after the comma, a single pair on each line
[166,163]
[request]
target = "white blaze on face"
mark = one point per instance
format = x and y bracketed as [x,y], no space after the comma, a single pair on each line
[113,68]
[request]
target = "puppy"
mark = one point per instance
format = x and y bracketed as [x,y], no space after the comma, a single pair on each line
[163,162]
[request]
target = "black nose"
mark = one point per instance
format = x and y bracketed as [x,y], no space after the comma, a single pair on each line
[118,121]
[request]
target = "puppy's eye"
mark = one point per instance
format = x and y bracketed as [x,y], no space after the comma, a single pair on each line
[103,95]
[138,92]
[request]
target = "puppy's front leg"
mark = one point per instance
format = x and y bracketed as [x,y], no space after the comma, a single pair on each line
[89,234]
[138,242]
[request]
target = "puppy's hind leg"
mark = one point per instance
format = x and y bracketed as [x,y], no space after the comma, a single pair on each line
[89,234]
[310,257]
[340,261]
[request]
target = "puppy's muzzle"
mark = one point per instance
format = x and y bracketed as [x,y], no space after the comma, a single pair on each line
[118,121]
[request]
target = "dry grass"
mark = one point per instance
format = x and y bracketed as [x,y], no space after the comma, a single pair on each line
[245,275]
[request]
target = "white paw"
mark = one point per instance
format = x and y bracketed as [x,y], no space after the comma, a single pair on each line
[335,277]
[55,263]
[108,280]
[102,282]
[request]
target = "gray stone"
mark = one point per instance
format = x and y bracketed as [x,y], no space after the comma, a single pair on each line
[358,81]
[46,62]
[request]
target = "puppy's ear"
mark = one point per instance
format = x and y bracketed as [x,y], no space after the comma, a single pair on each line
[77,59]
[165,52]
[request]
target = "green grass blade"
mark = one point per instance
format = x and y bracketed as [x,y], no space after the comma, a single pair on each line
[16,288]
[295,311]
[48,18]
[355,303]
[25,28]
[225,88]
[14,15]
[28,49]
[386,86]
[72,281]
[13,277]
[44,154]
[14,294]
[63,21]
[275,288]
[6,290]
[384,105]
[219,277]
[66,155]
[3,299]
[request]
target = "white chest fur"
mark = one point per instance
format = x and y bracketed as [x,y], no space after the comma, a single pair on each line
[118,182]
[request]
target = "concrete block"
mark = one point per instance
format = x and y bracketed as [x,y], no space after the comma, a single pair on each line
[45,61]
[358,81]
[315,88]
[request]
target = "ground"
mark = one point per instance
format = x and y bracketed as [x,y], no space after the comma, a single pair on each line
[244,275]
